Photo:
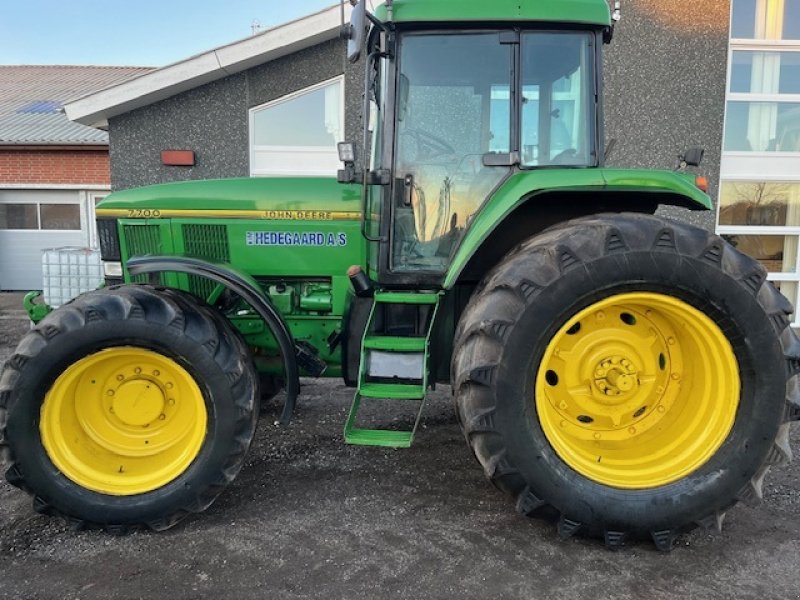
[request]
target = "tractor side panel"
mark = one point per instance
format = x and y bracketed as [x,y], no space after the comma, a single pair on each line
[300,263]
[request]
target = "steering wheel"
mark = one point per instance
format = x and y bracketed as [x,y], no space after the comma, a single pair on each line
[429,146]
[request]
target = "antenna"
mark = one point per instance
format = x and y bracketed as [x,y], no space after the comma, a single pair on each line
[255,26]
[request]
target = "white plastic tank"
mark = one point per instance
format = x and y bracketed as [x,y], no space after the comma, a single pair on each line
[68,272]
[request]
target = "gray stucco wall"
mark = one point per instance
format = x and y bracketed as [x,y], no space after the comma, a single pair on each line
[665,76]
[212,119]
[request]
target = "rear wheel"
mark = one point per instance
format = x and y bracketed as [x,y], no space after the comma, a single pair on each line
[128,407]
[634,376]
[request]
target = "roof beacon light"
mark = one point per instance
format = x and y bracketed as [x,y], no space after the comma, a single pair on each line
[617,14]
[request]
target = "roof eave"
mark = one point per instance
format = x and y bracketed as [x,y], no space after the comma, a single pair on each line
[95,109]
[59,145]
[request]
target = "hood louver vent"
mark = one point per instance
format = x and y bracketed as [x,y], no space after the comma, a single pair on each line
[209,242]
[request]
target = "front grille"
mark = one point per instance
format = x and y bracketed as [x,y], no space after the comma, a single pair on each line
[209,242]
[142,240]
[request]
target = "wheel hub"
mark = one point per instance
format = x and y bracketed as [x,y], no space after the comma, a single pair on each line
[615,376]
[138,402]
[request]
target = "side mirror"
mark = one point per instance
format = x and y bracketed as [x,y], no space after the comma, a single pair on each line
[692,157]
[356,32]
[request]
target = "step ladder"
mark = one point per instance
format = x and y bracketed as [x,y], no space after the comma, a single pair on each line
[409,356]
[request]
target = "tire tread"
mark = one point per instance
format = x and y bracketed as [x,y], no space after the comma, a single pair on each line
[165,307]
[489,315]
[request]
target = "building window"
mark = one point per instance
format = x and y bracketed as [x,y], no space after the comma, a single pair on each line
[759,202]
[766,20]
[297,134]
[60,216]
[19,216]
[763,127]
[44,216]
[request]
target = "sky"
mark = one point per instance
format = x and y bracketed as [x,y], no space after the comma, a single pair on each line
[132,32]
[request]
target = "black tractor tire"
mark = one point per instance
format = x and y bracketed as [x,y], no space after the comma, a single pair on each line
[532,294]
[172,324]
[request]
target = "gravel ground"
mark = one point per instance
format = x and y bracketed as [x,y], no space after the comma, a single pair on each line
[310,517]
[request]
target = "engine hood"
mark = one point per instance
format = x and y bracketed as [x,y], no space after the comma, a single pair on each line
[249,195]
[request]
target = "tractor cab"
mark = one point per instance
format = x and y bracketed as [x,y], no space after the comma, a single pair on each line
[454,108]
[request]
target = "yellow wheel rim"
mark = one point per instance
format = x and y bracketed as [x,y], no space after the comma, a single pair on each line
[123,421]
[638,390]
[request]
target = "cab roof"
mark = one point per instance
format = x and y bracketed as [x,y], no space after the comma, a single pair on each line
[589,12]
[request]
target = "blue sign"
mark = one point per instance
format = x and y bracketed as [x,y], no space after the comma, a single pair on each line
[295,238]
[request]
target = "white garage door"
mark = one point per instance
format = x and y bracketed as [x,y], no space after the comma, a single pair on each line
[31,221]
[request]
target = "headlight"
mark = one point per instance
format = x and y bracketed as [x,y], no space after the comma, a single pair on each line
[112,269]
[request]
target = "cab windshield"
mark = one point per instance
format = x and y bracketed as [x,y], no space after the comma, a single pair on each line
[458,104]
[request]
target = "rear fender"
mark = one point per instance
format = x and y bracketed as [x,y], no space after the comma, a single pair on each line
[531,201]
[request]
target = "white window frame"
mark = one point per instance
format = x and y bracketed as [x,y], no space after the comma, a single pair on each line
[760,166]
[38,204]
[776,167]
[755,161]
[88,205]
[299,151]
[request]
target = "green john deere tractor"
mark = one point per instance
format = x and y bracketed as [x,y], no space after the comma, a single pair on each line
[624,374]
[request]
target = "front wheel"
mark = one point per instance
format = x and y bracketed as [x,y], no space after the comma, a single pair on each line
[128,407]
[629,373]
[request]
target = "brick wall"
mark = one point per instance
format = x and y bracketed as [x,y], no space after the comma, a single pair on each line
[62,166]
